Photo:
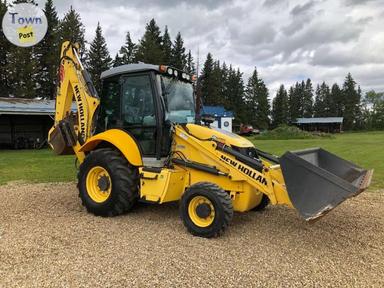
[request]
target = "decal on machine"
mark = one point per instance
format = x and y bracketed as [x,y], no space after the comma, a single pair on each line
[81,111]
[251,173]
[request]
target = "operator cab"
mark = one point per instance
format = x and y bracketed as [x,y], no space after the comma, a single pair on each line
[143,100]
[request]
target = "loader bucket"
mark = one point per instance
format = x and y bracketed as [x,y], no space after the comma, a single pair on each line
[317,181]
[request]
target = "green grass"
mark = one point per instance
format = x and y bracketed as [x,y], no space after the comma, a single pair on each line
[35,166]
[365,149]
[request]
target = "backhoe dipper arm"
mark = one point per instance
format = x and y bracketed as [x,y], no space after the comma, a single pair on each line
[72,129]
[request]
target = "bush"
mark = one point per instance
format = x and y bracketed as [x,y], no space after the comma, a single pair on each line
[284,132]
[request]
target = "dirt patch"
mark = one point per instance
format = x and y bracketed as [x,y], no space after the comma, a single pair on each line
[48,239]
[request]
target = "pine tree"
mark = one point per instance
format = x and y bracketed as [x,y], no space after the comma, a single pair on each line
[190,67]
[280,113]
[47,53]
[337,100]
[118,61]
[98,58]
[72,29]
[167,47]
[323,104]
[206,79]
[21,69]
[256,97]
[4,55]
[179,59]
[351,101]
[307,99]
[150,48]
[235,90]
[294,102]
[128,50]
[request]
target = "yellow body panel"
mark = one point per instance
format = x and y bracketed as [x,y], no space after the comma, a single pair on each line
[245,184]
[121,140]
[166,186]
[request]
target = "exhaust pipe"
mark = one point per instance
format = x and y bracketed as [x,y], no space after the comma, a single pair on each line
[317,181]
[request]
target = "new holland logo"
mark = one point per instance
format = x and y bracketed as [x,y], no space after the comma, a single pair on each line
[81,112]
[251,173]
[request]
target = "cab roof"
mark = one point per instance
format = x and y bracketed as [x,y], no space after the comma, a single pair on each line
[129,68]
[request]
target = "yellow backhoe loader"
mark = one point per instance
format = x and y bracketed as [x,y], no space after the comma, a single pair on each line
[140,141]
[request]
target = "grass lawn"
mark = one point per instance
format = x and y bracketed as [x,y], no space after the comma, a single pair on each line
[36,166]
[365,149]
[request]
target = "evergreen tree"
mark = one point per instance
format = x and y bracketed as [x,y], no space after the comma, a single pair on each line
[167,47]
[351,99]
[179,59]
[190,67]
[21,69]
[4,55]
[294,103]
[280,113]
[128,50]
[150,48]
[256,98]
[337,100]
[323,104]
[207,92]
[118,61]
[72,29]
[98,58]
[235,94]
[47,52]
[307,99]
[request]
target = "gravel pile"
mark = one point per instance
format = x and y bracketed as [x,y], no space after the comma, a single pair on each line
[47,239]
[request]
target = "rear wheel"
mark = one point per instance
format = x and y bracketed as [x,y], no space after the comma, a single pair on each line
[206,209]
[108,184]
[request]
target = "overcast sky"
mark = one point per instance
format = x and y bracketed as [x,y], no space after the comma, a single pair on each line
[287,40]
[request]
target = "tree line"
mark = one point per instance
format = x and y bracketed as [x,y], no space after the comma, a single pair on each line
[32,72]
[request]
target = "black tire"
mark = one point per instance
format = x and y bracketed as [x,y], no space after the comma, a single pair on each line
[222,204]
[124,179]
[261,206]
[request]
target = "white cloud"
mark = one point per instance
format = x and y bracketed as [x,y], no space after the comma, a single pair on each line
[286,40]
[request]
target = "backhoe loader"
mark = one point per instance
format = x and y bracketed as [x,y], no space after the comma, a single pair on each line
[140,141]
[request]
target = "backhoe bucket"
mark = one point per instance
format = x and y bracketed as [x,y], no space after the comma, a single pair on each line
[317,181]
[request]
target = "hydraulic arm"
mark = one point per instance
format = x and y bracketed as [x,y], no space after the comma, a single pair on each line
[72,128]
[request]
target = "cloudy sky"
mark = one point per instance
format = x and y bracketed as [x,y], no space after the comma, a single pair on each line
[287,40]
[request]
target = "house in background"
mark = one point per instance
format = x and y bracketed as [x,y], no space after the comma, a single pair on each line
[321,124]
[223,118]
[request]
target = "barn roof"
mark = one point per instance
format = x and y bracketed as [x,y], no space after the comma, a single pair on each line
[217,111]
[21,106]
[319,120]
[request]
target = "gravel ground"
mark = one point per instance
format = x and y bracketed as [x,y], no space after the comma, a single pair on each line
[48,239]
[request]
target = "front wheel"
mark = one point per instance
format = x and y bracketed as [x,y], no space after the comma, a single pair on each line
[108,184]
[206,210]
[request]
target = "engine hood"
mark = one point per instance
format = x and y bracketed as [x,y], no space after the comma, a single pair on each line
[224,136]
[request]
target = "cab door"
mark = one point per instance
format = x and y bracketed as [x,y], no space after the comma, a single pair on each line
[139,111]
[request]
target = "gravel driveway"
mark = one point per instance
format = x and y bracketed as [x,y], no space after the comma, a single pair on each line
[48,239]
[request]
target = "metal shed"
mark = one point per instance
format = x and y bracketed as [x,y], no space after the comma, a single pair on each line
[24,123]
[322,124]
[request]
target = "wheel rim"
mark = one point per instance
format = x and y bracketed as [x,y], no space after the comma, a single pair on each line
[99,184]
[198,213]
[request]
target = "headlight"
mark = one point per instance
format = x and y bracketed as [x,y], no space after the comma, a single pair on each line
[170,71]
[175,73]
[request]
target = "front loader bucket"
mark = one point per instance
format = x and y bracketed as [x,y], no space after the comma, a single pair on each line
[317,181]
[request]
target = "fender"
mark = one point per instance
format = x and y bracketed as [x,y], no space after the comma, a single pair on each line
[121,140]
